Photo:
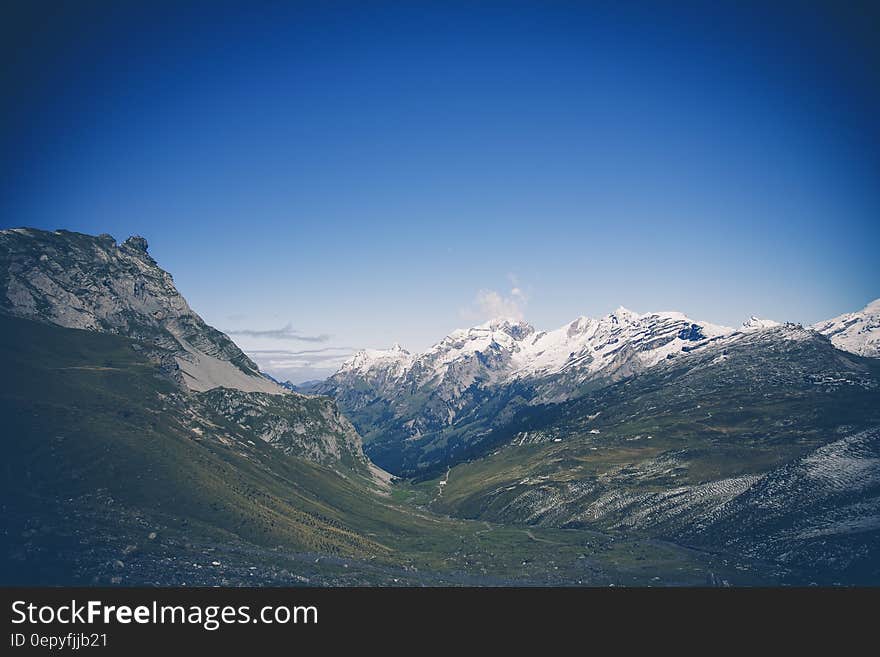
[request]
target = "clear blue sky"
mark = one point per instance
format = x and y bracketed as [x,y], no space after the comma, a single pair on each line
[330,176]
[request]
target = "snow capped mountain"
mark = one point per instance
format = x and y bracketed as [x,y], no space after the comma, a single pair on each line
[476,377]
[619,344]
[413,407]
[504,350]
[858,332]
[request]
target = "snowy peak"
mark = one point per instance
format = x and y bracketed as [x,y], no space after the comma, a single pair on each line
[367,360]
[494,334]
[623,316]
[756,324]
[516,329]
[857,333]
[580,325]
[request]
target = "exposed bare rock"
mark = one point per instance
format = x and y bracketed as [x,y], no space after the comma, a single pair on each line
[92,283]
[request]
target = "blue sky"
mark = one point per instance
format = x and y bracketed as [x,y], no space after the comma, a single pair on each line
[324,177]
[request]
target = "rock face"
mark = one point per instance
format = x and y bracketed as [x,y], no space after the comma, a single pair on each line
[308,427]
[93,283]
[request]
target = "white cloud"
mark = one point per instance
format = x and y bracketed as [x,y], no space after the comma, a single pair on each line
[490,304]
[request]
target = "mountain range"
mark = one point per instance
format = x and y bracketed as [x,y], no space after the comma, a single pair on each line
[142,446]
[411,408]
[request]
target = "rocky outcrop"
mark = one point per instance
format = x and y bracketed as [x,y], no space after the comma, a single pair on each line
[298,425]
[92,283]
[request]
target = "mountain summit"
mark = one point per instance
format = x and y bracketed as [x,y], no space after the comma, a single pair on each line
[756,324]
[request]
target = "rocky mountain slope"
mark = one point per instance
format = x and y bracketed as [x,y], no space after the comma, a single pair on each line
[93,284]
[763,446]
[308,427]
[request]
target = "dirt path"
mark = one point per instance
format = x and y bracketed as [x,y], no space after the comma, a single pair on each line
[442,483]
[488,528]
[93,368]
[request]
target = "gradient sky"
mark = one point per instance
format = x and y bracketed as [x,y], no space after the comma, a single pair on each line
[324,177]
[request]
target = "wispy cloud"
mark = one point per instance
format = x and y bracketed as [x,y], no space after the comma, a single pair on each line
[301,352]
[489,304]
[286,358]
[286,332]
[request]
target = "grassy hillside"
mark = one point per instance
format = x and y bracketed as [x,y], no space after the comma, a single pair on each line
[85,413]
